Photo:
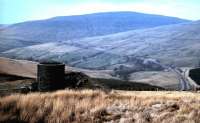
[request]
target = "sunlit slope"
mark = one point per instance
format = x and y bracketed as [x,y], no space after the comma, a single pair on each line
[174,44]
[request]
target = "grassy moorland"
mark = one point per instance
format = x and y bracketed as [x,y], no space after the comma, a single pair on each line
[95,106]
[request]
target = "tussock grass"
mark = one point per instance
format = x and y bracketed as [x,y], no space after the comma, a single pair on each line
[89,106]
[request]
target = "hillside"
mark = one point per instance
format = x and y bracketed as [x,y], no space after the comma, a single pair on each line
[7,43]
[80,26]
[28,69]
[69,106]
[146,81]
[150,43]
[146,49]
[1,26]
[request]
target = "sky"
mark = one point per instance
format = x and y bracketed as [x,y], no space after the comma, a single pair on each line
[14,11]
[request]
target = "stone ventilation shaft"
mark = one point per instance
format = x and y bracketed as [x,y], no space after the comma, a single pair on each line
[50,76]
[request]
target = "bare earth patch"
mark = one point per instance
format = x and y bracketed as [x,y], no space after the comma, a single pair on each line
[89,106]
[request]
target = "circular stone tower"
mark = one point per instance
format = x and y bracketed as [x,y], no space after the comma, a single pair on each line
[50,76]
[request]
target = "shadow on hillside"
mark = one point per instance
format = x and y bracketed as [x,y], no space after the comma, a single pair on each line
[73,80]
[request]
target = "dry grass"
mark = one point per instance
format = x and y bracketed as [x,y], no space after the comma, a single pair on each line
[87,106]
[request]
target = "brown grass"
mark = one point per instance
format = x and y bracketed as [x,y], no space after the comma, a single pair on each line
[87,106]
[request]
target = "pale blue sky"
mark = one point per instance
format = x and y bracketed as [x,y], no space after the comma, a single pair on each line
[13,11]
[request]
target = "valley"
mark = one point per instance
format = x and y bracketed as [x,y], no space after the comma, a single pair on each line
[174,79]
[152,53]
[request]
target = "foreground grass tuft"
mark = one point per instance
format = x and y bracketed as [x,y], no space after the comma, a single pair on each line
[88,106]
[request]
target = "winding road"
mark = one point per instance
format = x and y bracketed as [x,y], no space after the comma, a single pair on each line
[183,81]
[186,83]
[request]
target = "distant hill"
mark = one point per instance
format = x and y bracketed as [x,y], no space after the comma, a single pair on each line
[3,25]
[76,27]
[147,49]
